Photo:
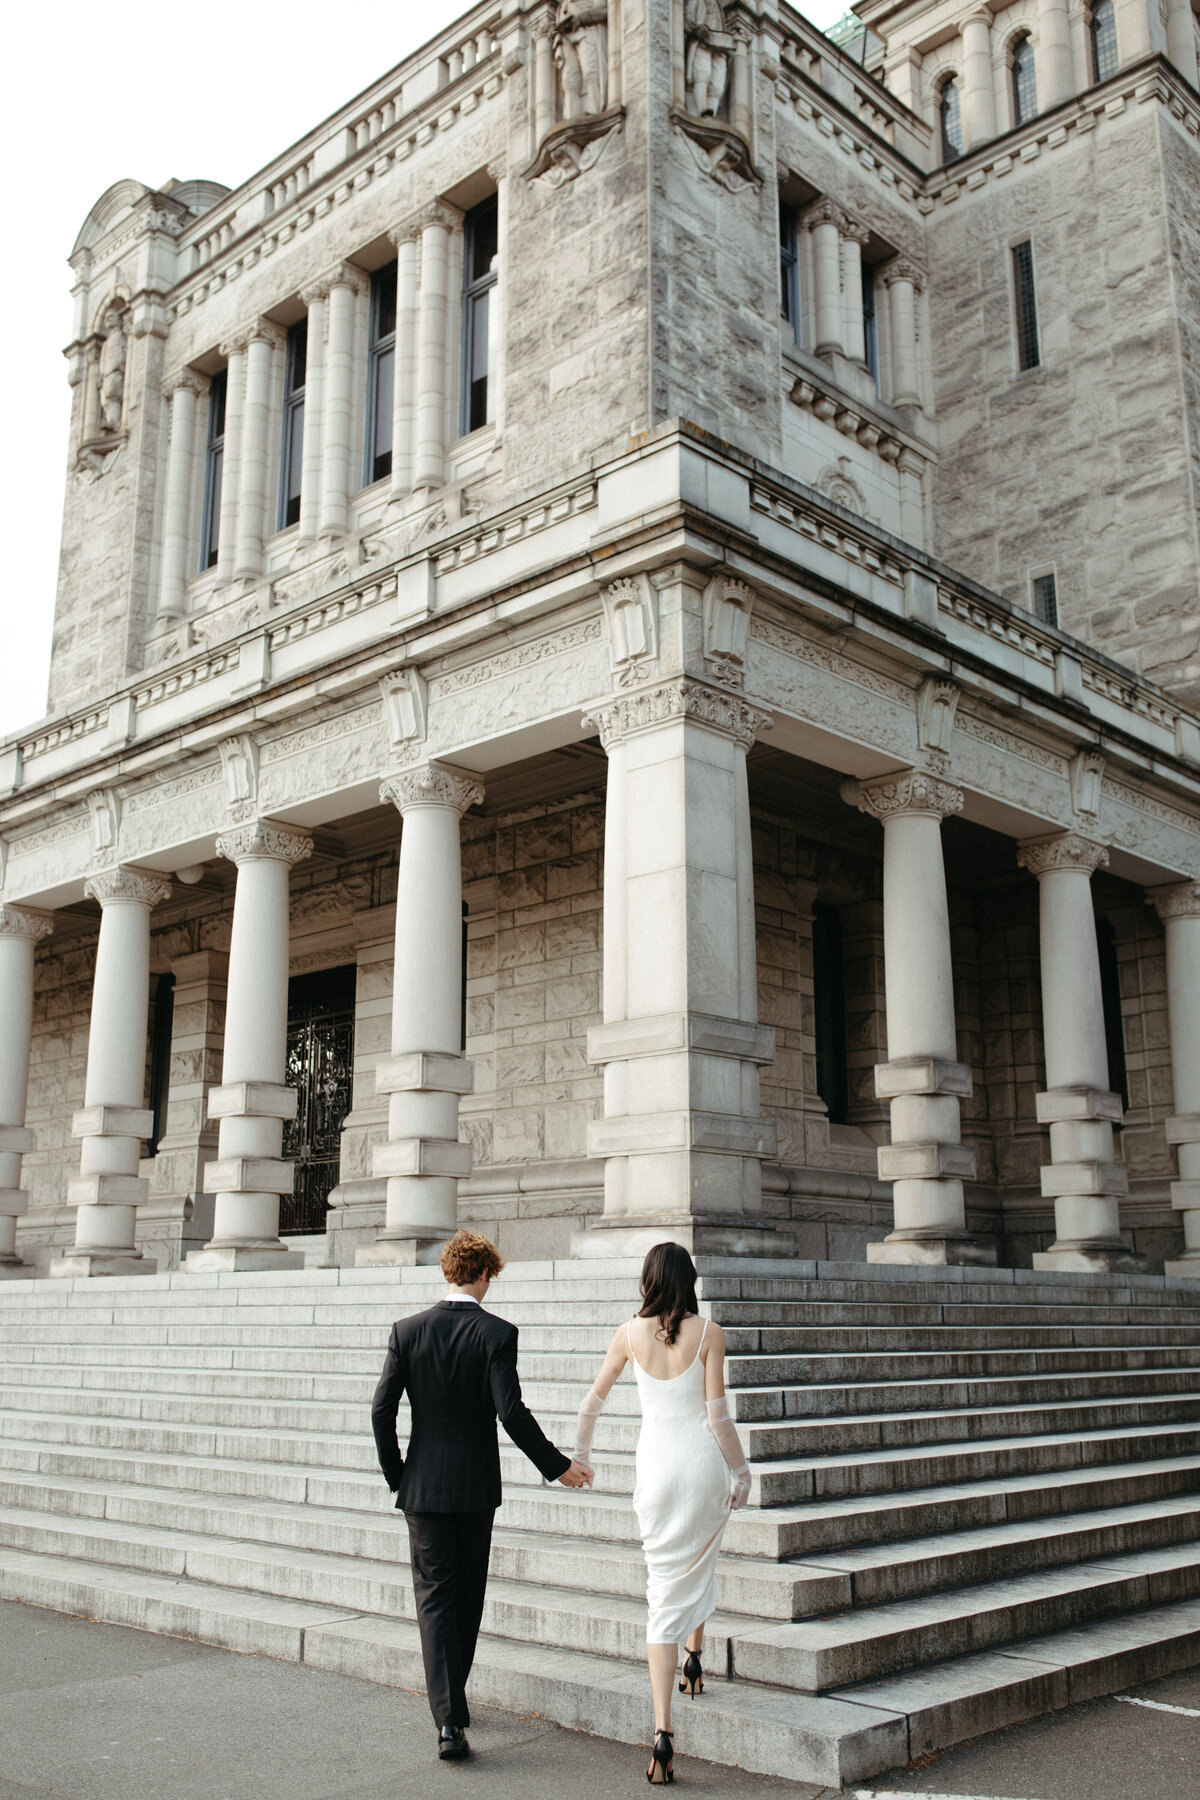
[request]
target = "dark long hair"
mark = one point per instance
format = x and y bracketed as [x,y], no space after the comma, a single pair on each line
[668,1289]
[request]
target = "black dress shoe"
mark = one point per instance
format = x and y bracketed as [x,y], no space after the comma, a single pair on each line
[452,1743]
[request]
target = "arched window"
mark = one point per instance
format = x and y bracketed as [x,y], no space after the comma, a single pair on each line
[1102,26]
[950,113]
[1024,82]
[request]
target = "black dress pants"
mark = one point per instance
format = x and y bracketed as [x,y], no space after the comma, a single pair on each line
[450,1568]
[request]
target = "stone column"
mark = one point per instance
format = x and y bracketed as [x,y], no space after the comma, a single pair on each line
[853,236]
[426,1072]
[404,377]
[227,529]
[1181,39]
[182,394]
[926,1161]
[1055,64]
[338,402]
[1133,30]
[252,474]
[614,58]
[113,1121]
[682,1138]
[1179,909]
[1082,1178]
[903,282]
[543,76]
[20,930]
[253,1101]
[978,90]
[314,407]
[824,220]
[436,224]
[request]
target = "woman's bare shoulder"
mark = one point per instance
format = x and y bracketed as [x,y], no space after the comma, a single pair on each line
[714,1338]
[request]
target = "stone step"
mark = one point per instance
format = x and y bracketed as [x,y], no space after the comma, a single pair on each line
[816,1655]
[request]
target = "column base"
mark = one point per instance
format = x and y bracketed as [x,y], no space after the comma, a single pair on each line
[240,1259]
[1084,1259]
[729,1234]
[1182,1268]
[80,1263]
[401,1253]
[942,1251]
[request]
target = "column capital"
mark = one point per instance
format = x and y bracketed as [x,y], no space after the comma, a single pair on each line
[345,275]
[315,293]
[1179,901]
[124,886]
[233,346]
[184,378]
[823,212]
[902,269]
[438,213]
[910,792]
[980,16]
[23,922]
[264,331]
[1065,850]
[407,232]
[689,701]
[853,231]
[433,784]
[262,840]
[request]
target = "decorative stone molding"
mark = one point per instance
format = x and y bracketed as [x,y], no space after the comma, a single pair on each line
[263,840]
[829,405]
[345,275]
[823,212]
[184,378]
[263,331]
[631,609]
[239,765]
[1087,778]
[728,605]
[901,269]
[574,146]
[853,232]
[21,922]
[1065,850]
[937,704]
[717,150]
[105,810]
[1180,901]
[433,784]
[911,791]
[405,706]
[678,700]
[438,212]
[123,886]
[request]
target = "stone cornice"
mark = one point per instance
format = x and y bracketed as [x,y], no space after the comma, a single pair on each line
[23,922]
[1065,850]
[124,886]
[264,841]
[690,701]
[433,784]
[911,792]
[1180,901]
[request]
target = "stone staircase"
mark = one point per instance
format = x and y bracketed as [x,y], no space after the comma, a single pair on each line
[976,1496]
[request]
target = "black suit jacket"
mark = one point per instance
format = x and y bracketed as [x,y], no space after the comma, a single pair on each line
[458,1366]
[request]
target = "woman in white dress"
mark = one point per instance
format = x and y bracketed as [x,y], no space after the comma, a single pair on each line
[687,1451]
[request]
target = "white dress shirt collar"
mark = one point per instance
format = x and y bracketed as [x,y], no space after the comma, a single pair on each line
[461,1300]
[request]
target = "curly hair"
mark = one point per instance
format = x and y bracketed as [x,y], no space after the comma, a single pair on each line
[469,1255]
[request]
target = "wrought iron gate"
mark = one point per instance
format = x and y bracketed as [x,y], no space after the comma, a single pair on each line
[320,1066]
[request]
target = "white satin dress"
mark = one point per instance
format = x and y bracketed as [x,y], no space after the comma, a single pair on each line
[681,1499]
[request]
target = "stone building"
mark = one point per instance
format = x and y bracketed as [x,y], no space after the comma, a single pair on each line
[703,529]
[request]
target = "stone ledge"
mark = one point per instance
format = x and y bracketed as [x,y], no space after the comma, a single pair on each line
[425,1071]
[922,1075]
[252,1100]
[112,1122]
[422,1156]
[1057,1106]
[930,1162]
[1085,1178]
[249,1175]
[628,1038]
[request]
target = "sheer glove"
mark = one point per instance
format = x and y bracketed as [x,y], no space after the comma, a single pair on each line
[585,1425]
[730,1446]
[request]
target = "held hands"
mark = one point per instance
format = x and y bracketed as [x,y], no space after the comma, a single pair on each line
[577,1476]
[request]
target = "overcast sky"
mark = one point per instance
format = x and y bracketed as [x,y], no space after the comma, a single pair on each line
[180,91]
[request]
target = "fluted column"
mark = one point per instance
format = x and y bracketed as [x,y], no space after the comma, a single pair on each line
[926,1161]
[824,221]
[314,408]
[978,90]
[853,236]
[252,475]
[1082,1178]
[426,1072]
[235,390]
[543,75]
[1179,909]
[253,1100]
[405,370]
[338,401]
[904,282]
[437,223]
[182,394]
[20,931]
[113,1121]
[1055,64]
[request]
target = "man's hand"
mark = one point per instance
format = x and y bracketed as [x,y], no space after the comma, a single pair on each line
[577,1476]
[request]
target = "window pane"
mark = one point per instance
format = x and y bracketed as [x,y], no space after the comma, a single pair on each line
[1045,599]
[381,414]
[383,303]
[789,271]
[477,368]
[1104,39]
[216,407]
[870,331]
[1024,83]
[482,229]
[1027,331]
[294,465]
[212,506]
[297,356]
[951,115]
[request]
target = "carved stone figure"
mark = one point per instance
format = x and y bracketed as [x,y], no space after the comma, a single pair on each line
[581,48]
[111,371]
[709,47]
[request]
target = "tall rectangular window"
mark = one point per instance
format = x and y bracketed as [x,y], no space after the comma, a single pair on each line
[480,273]
[1045,599]
[870,324]
[163,1009]
[789,274]
[1028,356]
[1103,31]
[829,1010]
[291,461]
[214,461]
[381,374]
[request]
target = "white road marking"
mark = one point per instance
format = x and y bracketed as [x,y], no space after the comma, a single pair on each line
[1189,1712]
[888,1794]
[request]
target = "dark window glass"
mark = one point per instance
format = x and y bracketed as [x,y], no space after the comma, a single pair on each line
[870,326]
[320,1067]
[829,1008]
[381,374]
[214,462]
[1045,599]
[1024,82]
[789,273]
[291,461]
[1028,356]
[1110,993]
[1103,30]
[950,113]
[160,1058]
[480,274]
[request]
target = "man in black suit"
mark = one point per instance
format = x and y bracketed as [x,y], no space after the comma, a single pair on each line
[458,1366]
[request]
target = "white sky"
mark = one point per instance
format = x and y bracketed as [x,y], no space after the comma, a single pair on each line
[213,92]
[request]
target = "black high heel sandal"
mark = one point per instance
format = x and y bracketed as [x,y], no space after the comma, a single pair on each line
[662,1763]
[693,1675]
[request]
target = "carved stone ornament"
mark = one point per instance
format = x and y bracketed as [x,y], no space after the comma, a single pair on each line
[707,52]
[239,765]
[431,785]
[678,700]
[264,841]
[439,213]
[631,609]
[1065,850]
[910,792]
[1087,776]
[111,371]
[105,810]
[824,212]
[185,378]
[581,52]
[21,922]
[901,269]
[573,147]
[937,703]
[728,604]
[718,150]
[1179,901]
[405,705]
[127,887]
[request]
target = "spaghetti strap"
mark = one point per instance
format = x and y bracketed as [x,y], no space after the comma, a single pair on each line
[629,1339]
[703,1335]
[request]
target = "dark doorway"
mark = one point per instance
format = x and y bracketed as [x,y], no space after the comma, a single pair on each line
[320,1066]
